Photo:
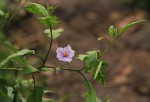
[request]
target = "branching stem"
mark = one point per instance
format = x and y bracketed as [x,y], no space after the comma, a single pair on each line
[72,70]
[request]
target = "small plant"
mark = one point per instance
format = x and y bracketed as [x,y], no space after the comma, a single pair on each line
[93,63]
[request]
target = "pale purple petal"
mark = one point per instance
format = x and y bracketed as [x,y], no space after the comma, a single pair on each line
[65,58]
[68,47]
[60,50]
[71,53]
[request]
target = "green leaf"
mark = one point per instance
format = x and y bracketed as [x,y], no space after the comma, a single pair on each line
[49,21]
[112,31]
[10,93]
[2,13]
[44,68]
[91,60]
[20,98]
[29,69]
[26,83]
[81,57]
[100,72]
[19,53]
[22,63]
[37,9]
[55,33]
[127,27]
[51,9]
[48,100]
[39,94]
[94,65]
[90,96]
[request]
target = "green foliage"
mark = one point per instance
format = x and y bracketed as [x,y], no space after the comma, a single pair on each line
[10,94]
[91,60]
[25,84]
[49,21]
[116,34]
[29,69]
[112,31]
[19,53]
[38,93]
[55,33]
[100,71]
[6,93]
[127,27]
[90,96]
[19,98]
[37,9]
[94,65]
[44,68]
[3,18]
[46,14]
[1,13]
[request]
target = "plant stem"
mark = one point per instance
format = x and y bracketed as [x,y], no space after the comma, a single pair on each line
[78,71]
[11,69]
[108,48]
[51,42]
[34,82]
[38,57]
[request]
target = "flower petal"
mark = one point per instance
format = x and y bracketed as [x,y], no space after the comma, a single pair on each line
[69,54]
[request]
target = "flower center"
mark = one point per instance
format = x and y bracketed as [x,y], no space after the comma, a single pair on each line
[65,54]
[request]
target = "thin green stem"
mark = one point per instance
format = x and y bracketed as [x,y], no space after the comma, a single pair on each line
[50,67]
[11,69]
[108,48]
[34,83]
[38,57]
[72,70]
[84,78]
[51,42]
[79,72]
[64,68]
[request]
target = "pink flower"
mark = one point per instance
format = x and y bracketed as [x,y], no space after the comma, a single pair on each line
[65,54]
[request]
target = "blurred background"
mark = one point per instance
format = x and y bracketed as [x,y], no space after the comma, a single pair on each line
[128,77]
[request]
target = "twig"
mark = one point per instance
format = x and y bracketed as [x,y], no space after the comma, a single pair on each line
[11,69]
[78,71]
[51,42]
[38,57]
[34,82]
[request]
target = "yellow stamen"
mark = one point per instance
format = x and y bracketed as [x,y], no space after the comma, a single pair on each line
[65,54]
